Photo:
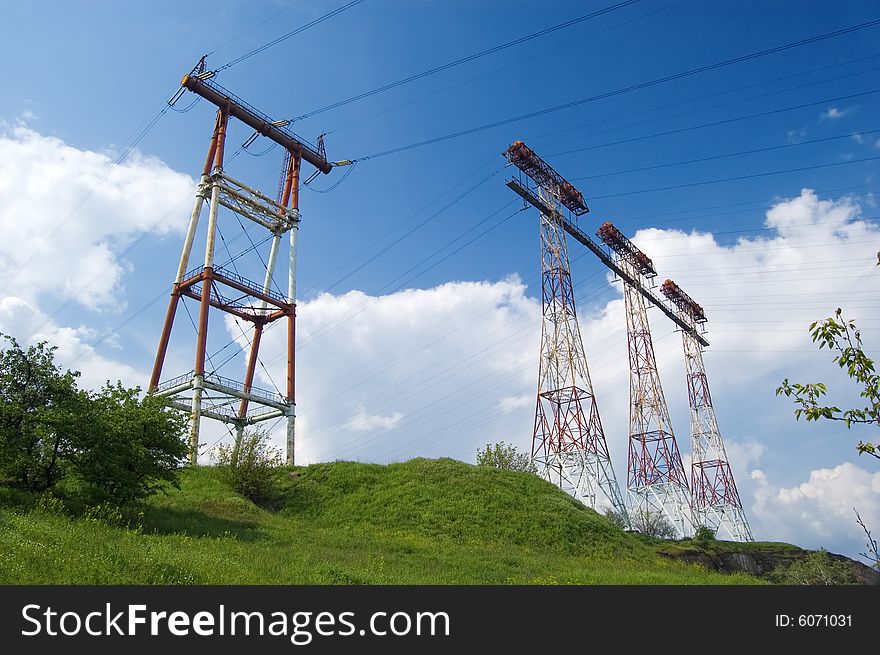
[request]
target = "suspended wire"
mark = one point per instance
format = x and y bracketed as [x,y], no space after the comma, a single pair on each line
[284,37]
[515,64]
[701,110]
[726,91]
[342,179]
[369,247]
[627,89]
[187,108]
[382,251]
[469,58]
[725,121]
[251,29]
[268,149]
[735,178]
[850,135]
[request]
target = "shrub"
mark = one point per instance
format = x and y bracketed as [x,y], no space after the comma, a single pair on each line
[505,456]
[104,447]
[251,467]
[704,533]
[817,568]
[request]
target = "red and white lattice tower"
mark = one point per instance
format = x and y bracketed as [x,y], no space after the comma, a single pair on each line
[568,443]
[716,501]
[204,393]
[656,480]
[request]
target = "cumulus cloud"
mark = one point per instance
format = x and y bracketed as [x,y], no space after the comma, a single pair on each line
[819,512]
[363,422]
[66,215]
[399,376]
[19,317]
[43,182]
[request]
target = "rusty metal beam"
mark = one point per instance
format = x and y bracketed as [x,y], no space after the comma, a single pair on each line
[265,126]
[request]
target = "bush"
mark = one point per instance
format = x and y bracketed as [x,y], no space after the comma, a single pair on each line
[704,533]
[505,456]
[251,468]
[129,450]
[105,447]
[817,568]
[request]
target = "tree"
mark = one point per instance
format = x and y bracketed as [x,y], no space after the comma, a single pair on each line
[251,467]
[841,335]
[100,447]
[505,456]
[39,410]
[653,524]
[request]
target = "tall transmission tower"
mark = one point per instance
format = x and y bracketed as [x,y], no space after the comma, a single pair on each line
[656,479]
[716,501]
[200,392]
[568,441]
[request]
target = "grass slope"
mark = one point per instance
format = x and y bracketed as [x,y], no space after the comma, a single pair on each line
[418,522]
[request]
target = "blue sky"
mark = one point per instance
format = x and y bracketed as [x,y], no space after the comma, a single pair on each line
[439,361]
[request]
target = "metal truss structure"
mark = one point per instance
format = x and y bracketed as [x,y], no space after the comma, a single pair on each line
[716,501]
[568,441]
[202,393]
[656,479]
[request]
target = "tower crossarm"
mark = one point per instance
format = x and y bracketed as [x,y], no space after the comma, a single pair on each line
[603,256]
[683,301]
[525,159]
[614,239]
[202,85]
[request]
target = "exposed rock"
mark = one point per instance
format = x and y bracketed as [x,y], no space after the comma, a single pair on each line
[760,563]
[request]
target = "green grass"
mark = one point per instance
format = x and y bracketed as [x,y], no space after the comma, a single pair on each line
[418,522]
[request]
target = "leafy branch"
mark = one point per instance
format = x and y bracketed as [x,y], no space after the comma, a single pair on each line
[840,335]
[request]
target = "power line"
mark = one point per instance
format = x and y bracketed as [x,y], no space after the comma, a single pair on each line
[726,91]
[514,64]
[725,121]
[728,154]
[252,28]
[736,178]
[627,89]
[468,58]
[284,37]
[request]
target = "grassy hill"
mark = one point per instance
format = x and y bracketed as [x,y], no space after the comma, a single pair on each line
[418,522]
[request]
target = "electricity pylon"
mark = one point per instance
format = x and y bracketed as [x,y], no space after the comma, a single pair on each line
[716,501]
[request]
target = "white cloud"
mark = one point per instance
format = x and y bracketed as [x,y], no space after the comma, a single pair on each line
[833,113]
[511,403]
[19,317]
[43,182]
[363,422]
[398,374]
[796,136]
[819,512]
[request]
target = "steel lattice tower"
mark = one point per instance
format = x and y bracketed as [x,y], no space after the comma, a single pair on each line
[656,479]
[568,443]
[202,393]
[716,501]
